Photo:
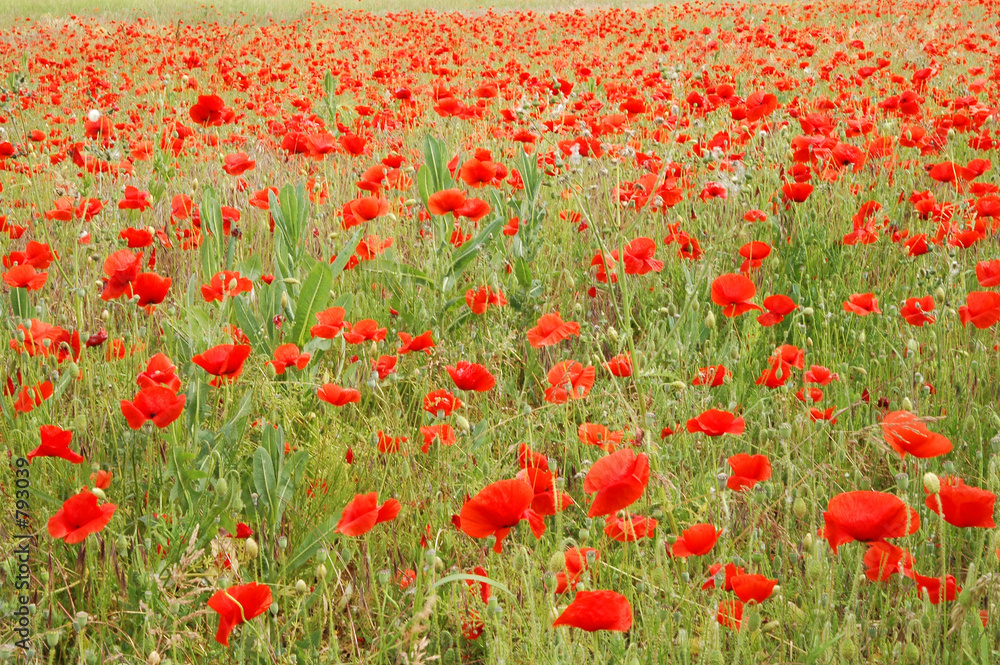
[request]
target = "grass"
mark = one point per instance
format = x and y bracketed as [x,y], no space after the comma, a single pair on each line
[265,451]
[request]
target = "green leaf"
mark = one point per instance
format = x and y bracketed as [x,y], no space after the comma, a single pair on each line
[313,298]
[248,322]
[401,271]
[522,271]
[317,538]
[20,305]
[468,577]
[345,254]
[434,175]
[463,257]
[264,481]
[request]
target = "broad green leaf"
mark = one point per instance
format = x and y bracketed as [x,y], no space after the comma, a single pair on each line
[464,256]
[313,297]
[20,304]
[318,537]
[264,481]
[345,254]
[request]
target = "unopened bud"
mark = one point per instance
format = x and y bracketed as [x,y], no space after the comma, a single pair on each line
[932,483]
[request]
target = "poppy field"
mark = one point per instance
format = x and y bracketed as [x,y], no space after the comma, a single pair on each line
[654,335]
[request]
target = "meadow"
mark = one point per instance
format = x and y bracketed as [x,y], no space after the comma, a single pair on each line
[372,334]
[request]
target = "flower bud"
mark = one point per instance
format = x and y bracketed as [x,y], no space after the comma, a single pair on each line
[932,483]
[557,563]
[301,586]
[251,547]
[847,649]
[799,508]
[462,423]
[710,320]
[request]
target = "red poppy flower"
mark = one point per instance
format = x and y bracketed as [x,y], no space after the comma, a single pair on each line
[753,588]
[713,376]
[443,202]
[577,561]
[151,288]
[101,479]
[862,304]
[120,268]
[696,541]
[135,199]
[225,284]
[365,330]
[287,355]
[363,512]
[931,586]
[907,435]
[638,257]
[551,329]
[30,396]
[962,505]
[547,500]
[883,560]
[867,517]
[479,300]
[330,323]
[238,604]
[981,309]
[915,311]
[25,276]
[569,380]
[796,191]
[819,375]
[988,273]
[160,371]
[730,614]
[778,307]
[729,571]
[388,444]
[716,423]
[384,366]
[211,111]
[748,471]
[79,517]
[732,293]
[224,361]
[620,365]
[754,253]
[443,432]
[441,402]
[631,528]
[600,436]
[337,396]
[55,443]
[597,610]
[618,480]
[238,163]
[471,376]
[153,402]
[415,344]
[497,508]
